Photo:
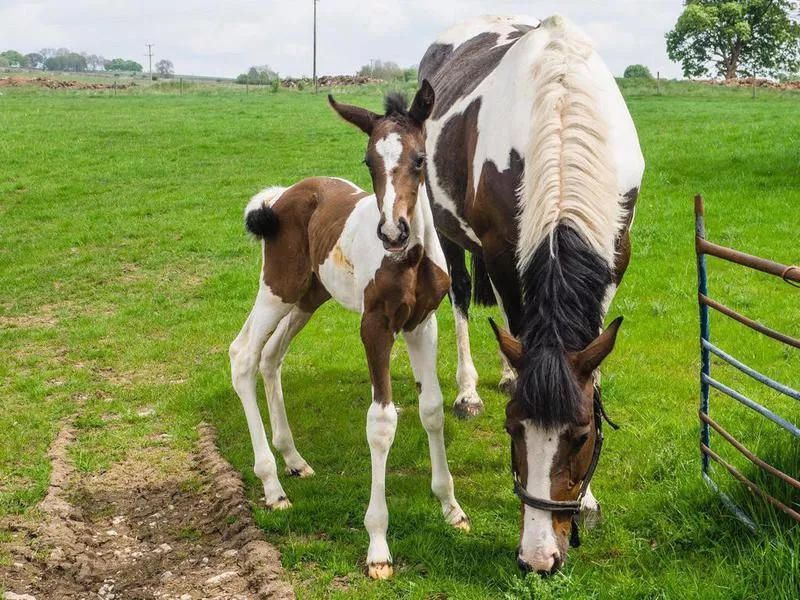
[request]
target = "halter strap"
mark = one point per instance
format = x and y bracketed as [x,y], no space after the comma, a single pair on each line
[568,506]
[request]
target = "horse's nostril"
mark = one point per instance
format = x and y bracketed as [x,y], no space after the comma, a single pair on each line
[558,562]
[524,567]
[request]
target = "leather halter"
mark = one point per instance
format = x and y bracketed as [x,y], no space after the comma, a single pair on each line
[568,506]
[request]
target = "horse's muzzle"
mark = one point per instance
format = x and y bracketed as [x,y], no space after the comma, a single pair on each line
[399,242]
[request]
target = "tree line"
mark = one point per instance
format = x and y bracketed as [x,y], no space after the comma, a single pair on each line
[64,59]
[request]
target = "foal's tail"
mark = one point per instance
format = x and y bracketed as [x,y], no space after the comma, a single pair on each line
[259,218]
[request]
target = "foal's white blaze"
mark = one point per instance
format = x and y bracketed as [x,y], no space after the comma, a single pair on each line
[539,547]
[390,148]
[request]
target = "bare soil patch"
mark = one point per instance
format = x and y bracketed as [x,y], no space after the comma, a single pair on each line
[160,524]
[59,84]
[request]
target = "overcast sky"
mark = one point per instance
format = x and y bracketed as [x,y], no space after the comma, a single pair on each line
[225,37]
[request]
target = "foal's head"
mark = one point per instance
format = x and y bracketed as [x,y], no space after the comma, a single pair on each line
[395,157]
[553,420]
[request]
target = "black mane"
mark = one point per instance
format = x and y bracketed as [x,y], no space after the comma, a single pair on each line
[395,103]
[563,293]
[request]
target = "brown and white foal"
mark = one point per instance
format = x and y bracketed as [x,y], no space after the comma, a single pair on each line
[376,254]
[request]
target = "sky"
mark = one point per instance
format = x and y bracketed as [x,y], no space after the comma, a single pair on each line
[225,37]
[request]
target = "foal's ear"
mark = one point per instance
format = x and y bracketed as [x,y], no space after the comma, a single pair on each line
[422,106]
[509,345]
[360,117]
[588,359]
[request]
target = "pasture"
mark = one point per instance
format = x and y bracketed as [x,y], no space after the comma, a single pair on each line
[125,273]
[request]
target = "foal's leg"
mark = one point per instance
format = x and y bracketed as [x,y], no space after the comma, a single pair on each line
[422,345]
[381,426]
[508,376]
[271,362]
[468,403]
[244,353]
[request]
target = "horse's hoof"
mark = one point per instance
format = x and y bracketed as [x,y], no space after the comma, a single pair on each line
[507,385]
[382,570]
[462,524]
[281,503]
[302,472]
[468,406]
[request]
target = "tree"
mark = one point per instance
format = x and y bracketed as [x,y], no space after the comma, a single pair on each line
[165,67]
[66,62]
[637,72]
[258,75]
[386,70]
[120,64]
[726,36]
[14,58]
[35,60]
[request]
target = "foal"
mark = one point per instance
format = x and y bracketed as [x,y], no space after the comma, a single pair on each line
[319,241]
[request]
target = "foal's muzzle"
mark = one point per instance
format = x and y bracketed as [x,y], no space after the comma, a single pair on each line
[399,242]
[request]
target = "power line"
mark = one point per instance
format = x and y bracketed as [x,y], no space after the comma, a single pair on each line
[314,2]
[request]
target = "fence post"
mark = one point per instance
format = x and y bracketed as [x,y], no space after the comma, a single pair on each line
[247,88]
[181,86]
[658,83]
[702,288]
[754,87]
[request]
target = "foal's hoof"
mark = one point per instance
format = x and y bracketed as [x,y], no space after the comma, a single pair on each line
[463,524]
[302,472]
[507,385]
[281,503]
[380,570]
[467,406]
[591,516]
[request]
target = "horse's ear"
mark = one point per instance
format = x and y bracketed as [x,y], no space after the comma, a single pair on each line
[588,359]
[360,117]
[509,345]
[422,106]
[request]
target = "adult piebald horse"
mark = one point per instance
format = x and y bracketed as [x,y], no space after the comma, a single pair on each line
[533,164]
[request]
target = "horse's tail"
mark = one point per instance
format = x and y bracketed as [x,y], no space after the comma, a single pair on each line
[482,292]
[569,173]
[259,218]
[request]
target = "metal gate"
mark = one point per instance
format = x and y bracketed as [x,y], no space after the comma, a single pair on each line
[790,274]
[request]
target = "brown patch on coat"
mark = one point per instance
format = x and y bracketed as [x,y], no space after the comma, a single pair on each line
[312,214]
[623,242]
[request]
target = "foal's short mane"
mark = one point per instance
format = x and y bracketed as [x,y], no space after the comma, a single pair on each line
[564,286]
[395,103]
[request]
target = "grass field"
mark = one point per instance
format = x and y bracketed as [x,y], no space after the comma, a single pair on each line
[125,273]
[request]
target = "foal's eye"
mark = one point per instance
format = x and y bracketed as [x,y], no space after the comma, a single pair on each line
[419,162]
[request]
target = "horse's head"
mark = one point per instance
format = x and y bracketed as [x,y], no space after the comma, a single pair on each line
[395,157]
[554,420]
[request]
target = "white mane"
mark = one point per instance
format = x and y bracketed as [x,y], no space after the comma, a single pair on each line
[569,170]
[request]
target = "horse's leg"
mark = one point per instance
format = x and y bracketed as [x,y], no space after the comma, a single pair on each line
[244,353]
[271,362]
[422,345]
[468,403]
[508,376]
[501,265]
[381,425]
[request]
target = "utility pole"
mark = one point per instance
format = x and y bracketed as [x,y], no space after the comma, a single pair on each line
[150,59]
[315,43]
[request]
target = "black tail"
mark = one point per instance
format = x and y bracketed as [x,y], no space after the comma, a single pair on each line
[262,222]
[482,292]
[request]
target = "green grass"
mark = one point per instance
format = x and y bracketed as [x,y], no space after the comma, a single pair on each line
[125,273]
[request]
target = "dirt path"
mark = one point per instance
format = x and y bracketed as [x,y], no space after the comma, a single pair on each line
[160,525]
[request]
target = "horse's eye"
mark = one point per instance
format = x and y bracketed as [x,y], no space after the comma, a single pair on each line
[419,162]
[579,442]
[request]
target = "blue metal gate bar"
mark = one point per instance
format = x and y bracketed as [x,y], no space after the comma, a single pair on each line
[775,385]
[791,428]
[790,274]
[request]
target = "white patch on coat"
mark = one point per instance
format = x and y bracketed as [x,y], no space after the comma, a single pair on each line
[265,197]
[508,95]
[539,543]
[390,149]
[502,25]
